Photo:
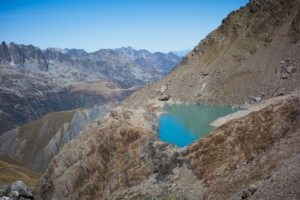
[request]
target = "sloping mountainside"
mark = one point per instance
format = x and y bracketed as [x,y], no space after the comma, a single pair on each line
[120,157]
[11,171]
[159,61]
[254,53]
[34,83]
[36,143]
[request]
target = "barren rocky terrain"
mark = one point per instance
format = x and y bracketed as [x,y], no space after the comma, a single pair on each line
[251,60]
[255,53]
[120,157]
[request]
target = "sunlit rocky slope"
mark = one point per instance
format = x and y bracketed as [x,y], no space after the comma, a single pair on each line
[255,52]
[35,82]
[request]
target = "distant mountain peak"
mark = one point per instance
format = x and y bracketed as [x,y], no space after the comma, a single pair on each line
[71,52]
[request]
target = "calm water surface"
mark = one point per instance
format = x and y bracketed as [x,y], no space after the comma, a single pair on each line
[187,123]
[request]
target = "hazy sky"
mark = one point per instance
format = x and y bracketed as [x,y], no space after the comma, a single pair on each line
[155,25]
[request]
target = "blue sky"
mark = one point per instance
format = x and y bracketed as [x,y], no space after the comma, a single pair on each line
[155,25]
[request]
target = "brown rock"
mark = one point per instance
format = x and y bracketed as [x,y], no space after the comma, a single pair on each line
[245,194]
[291,69]
[252,188]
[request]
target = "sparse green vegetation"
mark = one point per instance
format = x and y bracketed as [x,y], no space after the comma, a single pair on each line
[171,196]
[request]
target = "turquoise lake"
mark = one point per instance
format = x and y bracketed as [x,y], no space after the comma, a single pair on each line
[186,123]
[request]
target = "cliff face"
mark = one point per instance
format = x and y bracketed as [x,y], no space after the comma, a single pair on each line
[254,53]
[120,157]
[36,143]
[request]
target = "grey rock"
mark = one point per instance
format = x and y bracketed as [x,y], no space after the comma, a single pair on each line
[16,190]
[4,53]
[164,97]
[28,55]
[281,62]
[163,88]
[160,157]
[291,69]
[284,76]
[21,188]
[14,194]
[5,198]
[245,194]
[257,99]
[252,188]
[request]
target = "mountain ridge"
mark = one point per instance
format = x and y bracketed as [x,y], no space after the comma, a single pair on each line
[35,82]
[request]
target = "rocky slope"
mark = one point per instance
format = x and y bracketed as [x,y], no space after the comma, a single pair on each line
[254,53]
[34,83]
[120,157]
[12,170]
[36,143]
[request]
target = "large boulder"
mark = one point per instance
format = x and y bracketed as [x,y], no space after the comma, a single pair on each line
[164,97]
[16,190]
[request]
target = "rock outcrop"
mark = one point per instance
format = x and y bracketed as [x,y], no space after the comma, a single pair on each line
[16,190]
[103,158]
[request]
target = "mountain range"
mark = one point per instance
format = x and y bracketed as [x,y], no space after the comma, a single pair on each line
[35,82]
